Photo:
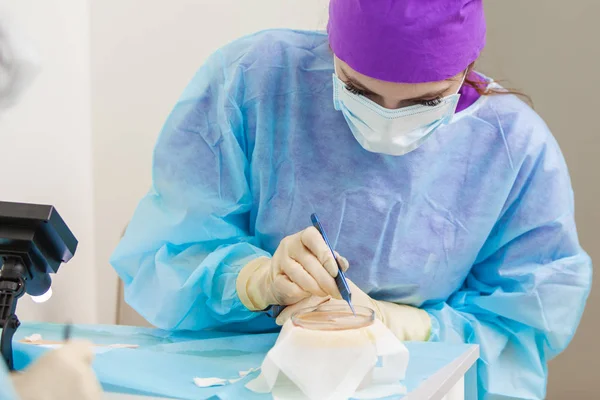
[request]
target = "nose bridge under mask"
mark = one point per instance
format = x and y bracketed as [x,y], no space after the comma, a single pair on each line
[393,132]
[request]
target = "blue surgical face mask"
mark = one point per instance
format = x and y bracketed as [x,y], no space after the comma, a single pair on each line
[393,132]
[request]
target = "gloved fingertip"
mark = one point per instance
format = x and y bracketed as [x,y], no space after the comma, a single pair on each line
[343,261]
[345,264]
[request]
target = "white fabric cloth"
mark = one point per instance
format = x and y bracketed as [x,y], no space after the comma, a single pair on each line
[331,365]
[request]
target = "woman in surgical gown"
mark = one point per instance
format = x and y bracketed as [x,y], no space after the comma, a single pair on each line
[448,198]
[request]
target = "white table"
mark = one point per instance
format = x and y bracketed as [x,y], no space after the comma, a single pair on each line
[449,382]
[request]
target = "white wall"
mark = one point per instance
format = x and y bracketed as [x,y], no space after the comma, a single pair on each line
[45,145]
[143,55]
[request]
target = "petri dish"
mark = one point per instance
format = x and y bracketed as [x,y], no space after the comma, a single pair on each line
[333,318]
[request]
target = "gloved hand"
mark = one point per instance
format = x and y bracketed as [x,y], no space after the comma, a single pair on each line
[406,322]
[301,266]
[61,374]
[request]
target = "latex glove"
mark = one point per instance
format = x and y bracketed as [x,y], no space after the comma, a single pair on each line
[406,322]
[61,374]
[301,266]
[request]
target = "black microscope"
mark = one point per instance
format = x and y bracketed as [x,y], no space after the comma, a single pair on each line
[34,242]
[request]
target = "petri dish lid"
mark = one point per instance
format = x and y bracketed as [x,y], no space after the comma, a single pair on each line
[333,318]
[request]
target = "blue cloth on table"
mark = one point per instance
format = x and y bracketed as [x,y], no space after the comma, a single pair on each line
[166,363]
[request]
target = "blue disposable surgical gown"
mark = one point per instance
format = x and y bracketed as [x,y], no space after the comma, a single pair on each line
[476,226]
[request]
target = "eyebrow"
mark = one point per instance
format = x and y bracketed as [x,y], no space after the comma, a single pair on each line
[360,86]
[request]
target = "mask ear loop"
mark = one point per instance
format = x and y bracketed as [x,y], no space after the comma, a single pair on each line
[458,93]
[335,67]
[462,82]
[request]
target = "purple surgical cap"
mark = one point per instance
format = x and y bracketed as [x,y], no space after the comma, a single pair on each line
[407,41]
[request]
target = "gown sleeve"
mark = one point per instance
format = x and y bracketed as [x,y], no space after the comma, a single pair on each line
[191,234]
[523,299]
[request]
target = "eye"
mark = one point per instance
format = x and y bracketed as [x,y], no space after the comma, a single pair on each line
[430,103]
[354,90]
